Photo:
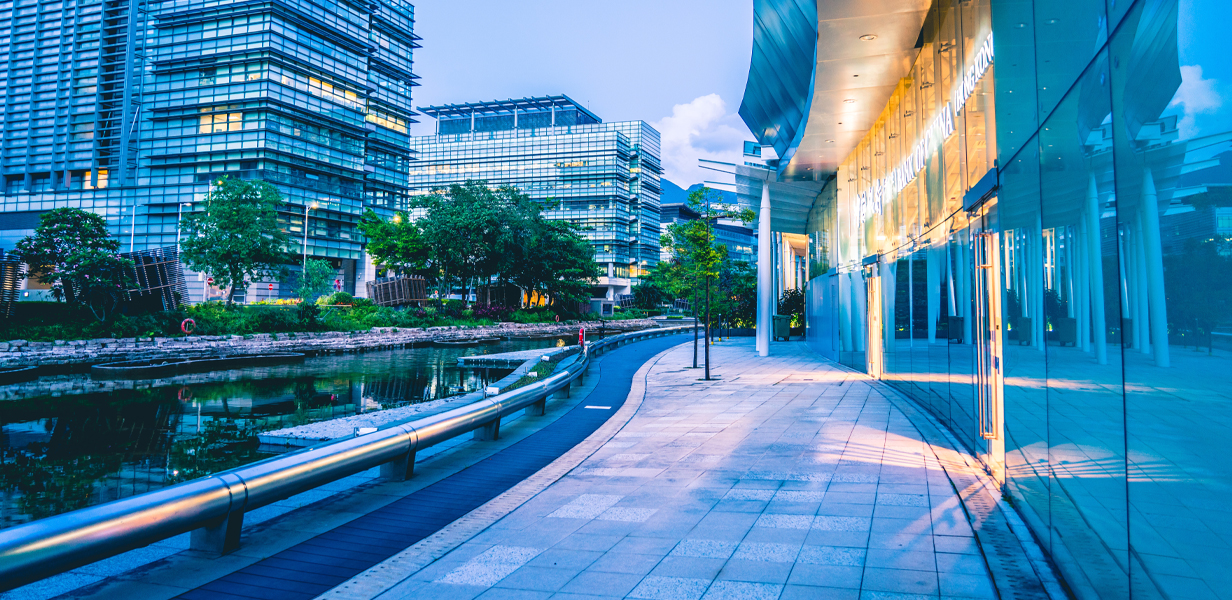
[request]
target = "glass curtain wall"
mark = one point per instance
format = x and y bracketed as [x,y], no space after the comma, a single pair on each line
[1070,315]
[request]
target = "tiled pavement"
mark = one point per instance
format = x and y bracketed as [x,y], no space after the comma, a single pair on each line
[788,478]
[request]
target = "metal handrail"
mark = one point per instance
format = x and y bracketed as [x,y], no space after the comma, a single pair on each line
[212,508]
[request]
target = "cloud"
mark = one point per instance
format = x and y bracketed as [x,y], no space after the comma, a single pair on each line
[1198,96]
[700,129]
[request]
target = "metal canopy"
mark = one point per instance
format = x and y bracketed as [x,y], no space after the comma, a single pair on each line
[790,201]
[501,107]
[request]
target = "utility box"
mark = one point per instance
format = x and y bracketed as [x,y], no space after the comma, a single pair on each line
[782,327]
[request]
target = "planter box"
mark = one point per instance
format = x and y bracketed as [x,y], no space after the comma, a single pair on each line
[1066,329]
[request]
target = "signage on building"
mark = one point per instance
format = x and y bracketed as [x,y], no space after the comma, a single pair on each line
[871,201]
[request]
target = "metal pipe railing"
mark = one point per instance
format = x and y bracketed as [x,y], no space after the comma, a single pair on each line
[212,508]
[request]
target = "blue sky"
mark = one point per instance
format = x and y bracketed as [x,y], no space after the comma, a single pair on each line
[678,64]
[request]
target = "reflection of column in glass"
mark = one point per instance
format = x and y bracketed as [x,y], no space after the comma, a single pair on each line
[964,273]
[1155,269]
[888,288]
[843,299]
[911,299]
[1095,255]
[1082,281]
[859,301]
[1142,332]
[933,282]
[1035,283]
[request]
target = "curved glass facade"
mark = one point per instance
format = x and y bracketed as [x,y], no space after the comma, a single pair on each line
[1035,242]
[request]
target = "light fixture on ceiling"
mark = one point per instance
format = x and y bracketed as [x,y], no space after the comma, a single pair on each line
[829,141]
[868,37]
[850,101]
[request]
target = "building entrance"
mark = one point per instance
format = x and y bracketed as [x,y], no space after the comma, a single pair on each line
[988,335]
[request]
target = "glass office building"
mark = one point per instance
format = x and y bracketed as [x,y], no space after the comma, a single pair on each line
[131,109]
[1024,223]
[604,175]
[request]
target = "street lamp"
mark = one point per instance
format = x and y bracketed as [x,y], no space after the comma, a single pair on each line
[307,207]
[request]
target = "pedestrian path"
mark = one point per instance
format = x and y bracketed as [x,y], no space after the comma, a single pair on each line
[790,477]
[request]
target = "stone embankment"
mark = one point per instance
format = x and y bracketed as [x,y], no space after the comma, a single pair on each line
[75,353]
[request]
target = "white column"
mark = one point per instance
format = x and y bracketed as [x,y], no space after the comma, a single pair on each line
[1154,270]
[765,243]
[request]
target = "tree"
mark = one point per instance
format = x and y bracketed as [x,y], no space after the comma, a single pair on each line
[72,252]
[559,263]
[693,244]
[317,279]
[398,244]
[237,237]
[461,226]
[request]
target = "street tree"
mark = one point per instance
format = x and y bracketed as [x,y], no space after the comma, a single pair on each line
[72,252]
[398,244]
[693,245]
[237,238]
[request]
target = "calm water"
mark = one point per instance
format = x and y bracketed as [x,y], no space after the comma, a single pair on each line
[80,447]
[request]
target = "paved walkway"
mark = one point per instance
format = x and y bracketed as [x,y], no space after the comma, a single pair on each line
[788,478]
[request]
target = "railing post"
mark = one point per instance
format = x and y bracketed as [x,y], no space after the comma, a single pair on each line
[537,409]
[222,537]
[399,469]
[489,431]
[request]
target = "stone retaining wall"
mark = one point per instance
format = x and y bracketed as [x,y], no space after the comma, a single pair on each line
[61,353]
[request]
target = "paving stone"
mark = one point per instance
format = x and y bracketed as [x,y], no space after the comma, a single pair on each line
[491,566]
[670,588]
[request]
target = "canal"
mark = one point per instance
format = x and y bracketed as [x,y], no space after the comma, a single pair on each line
[65,444]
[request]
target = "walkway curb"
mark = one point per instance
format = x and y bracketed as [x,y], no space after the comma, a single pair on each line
[388,574]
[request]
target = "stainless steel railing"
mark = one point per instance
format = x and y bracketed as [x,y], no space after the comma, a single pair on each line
[213,508]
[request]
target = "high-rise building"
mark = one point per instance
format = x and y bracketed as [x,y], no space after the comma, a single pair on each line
[131,109]
[604,175]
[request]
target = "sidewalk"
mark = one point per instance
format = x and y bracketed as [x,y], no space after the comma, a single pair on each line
[788,478]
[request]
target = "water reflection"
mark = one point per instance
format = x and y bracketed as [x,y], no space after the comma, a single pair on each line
[82,447]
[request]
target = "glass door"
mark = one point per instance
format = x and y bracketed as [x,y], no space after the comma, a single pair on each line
[876,364]
[988,334]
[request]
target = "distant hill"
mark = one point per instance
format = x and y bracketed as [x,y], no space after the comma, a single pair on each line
[674,194]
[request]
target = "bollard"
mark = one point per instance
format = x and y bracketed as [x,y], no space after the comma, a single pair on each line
[222,537]
[537,409]
[399,469]
[488,432]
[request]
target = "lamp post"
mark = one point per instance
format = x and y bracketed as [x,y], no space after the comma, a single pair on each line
[307,207]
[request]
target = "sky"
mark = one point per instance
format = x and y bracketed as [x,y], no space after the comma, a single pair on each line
[680,65]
